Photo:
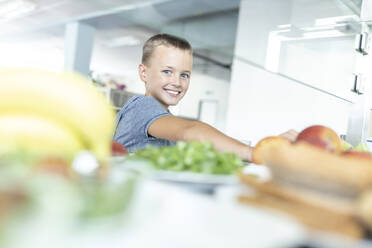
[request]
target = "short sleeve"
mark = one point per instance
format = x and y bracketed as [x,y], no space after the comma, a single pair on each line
[151,111]
[134,120]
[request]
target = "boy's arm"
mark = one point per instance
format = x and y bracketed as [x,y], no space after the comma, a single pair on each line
[175,129]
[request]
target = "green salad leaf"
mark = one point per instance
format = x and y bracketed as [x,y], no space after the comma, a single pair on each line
[192,157]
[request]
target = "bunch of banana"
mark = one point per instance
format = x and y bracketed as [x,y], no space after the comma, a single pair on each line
[50,114]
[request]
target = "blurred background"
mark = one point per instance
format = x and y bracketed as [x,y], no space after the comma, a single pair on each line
[260,67]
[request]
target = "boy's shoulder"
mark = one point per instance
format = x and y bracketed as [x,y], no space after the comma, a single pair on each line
[141,109]
[134,99]
[140,101]
[131,103]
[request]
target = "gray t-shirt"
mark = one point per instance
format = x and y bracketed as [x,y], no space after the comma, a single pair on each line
[133,121]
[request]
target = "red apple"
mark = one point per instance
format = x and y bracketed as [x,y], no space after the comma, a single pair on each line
[322,137]
[118,149]
[315,141]
[357,154]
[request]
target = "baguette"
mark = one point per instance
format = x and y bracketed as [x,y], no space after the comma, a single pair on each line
[312,208]
[294,193]
[315,218]
[306,164]
[320,188]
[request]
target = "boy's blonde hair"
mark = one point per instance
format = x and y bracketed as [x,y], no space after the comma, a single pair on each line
[163,39]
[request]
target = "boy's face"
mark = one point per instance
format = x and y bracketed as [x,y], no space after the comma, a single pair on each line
[167,76]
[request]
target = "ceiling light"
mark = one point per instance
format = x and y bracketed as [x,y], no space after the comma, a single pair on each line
[284,26]
[123,41]
[331,27]
[323,34]
[15,8]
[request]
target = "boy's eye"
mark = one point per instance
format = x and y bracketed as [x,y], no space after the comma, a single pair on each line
[184,75]
[167,72]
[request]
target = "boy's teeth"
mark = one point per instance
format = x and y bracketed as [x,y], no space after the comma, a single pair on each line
[173,91]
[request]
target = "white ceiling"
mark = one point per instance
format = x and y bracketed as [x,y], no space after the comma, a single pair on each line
[136,18]
[210,25]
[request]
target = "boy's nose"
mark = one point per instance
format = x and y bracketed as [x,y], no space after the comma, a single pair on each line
[176,80]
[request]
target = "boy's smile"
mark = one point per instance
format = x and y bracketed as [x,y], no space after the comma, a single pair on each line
[167,76]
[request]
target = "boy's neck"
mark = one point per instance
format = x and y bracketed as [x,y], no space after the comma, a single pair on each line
[164,106]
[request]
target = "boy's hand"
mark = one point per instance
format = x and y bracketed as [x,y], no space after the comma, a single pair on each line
[290,135]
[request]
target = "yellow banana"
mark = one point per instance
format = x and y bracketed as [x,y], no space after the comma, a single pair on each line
[38,136]
[67,99]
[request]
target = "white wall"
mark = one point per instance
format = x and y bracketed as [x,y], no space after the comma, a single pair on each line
[256,20]
[326,63]
[263,103]
[203,87]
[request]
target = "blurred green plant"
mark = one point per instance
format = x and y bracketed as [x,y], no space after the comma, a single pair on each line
[108,198]
[192,157]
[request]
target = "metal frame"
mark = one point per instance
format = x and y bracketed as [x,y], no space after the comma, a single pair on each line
[359,118]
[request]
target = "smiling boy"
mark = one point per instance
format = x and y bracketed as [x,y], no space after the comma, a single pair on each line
[145,120]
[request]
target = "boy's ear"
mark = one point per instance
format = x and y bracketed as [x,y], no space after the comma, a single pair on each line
[142,72]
